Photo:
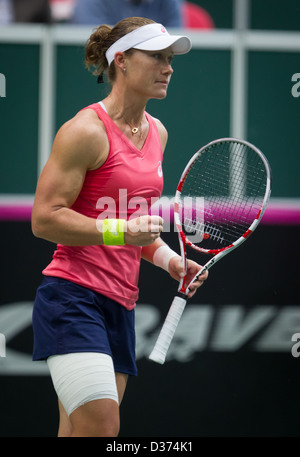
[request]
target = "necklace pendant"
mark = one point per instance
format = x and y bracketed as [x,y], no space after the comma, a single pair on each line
[134,130]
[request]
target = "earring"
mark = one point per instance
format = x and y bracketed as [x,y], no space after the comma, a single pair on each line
[100,79]
[124,70]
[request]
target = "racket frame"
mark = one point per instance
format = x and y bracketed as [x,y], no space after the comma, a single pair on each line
[218,254]
[177,307]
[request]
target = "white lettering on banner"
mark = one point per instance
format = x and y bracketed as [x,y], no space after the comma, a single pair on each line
[204,327]
[278,334]
[235,326]
[14,319]
[224,329]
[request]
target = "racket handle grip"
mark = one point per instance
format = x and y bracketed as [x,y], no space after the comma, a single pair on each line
[165,337]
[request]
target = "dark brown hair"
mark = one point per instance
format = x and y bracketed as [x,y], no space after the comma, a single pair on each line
[104,37]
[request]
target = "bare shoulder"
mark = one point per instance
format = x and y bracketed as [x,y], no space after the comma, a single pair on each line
[83,138]
[163,133]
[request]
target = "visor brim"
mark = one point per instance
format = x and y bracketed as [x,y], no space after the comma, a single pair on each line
[178,44]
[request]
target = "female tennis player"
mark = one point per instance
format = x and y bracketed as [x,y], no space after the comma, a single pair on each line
[83,317]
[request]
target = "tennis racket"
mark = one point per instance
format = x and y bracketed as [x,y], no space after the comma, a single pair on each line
[220,200]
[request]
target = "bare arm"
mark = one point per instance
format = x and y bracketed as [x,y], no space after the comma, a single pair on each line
[80,145]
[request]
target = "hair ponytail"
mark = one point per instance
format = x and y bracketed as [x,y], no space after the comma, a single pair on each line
[104,37]
[96,48]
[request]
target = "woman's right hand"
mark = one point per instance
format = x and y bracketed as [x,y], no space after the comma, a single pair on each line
[143,230]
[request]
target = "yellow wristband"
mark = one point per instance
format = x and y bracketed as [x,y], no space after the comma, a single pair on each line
[113,232]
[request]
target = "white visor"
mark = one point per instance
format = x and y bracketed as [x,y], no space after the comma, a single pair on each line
[150,37]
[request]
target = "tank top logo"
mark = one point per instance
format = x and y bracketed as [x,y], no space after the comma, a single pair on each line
[159,170]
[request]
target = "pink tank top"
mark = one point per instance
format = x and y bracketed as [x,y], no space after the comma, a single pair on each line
[124,187]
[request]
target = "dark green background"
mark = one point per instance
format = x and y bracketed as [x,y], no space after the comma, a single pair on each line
[19,118]
[196,110]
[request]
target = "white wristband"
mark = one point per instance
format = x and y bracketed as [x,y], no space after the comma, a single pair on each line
[162,257]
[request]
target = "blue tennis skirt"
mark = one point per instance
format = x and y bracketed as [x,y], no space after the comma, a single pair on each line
[70,318]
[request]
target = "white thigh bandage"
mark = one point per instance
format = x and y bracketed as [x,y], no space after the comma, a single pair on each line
[82,377]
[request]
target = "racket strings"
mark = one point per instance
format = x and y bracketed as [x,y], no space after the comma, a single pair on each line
[222,194]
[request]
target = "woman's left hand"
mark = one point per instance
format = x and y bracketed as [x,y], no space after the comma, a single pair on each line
[176,271]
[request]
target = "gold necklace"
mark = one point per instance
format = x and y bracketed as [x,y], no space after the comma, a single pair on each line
[134,130]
